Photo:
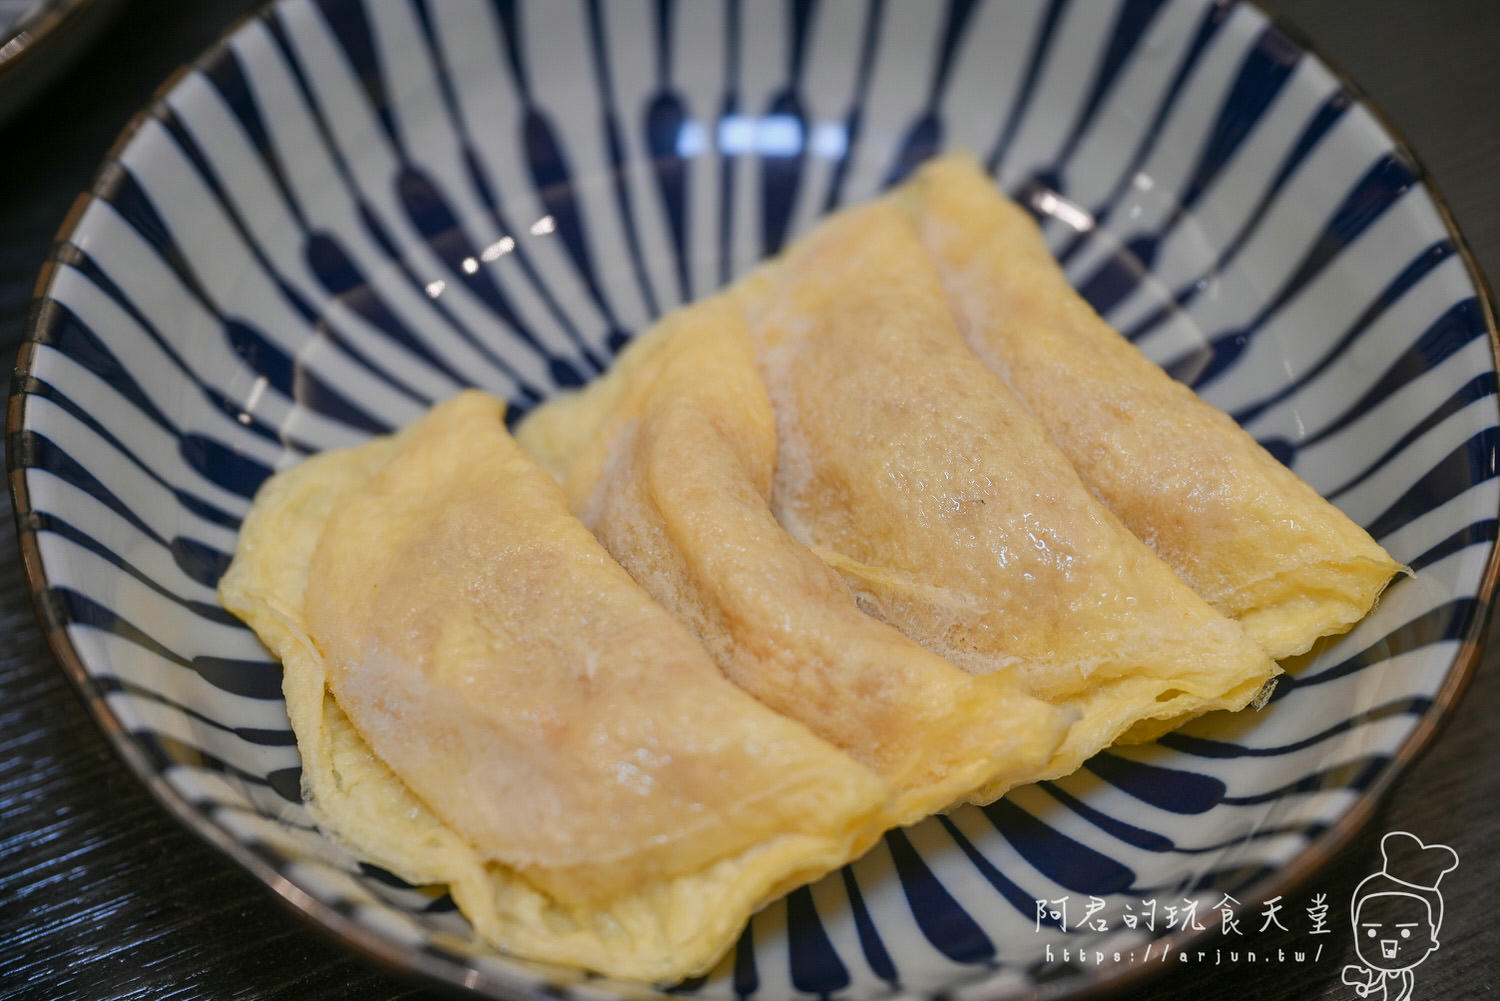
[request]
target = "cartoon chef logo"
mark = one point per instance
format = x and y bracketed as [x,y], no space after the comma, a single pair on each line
[1397,913]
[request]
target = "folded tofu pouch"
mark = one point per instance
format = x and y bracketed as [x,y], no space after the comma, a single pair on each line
[1254,540]
[869,539]
[483,698]
[669,459]
[924,481]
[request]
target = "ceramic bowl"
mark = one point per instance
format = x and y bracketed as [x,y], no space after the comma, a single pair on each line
[349,210]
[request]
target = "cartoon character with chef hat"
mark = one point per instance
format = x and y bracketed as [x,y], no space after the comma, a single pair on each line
[1397,914]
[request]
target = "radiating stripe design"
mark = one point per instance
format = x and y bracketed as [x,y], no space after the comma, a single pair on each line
[353,209]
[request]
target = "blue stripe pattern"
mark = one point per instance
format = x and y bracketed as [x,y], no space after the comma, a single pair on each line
[353,209]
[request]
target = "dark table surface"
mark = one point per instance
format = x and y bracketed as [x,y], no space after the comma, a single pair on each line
[103,896]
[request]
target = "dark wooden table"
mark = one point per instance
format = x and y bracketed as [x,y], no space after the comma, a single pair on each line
[103,896]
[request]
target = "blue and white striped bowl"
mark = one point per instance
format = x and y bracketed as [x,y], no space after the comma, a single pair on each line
[349,210]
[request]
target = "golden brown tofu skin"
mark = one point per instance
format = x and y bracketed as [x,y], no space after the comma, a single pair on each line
[675,479]
[918,475]
[483,698]
[1252,538]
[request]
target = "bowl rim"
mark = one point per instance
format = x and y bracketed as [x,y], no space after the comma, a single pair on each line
[449,968]
[49,27]
[35,25]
